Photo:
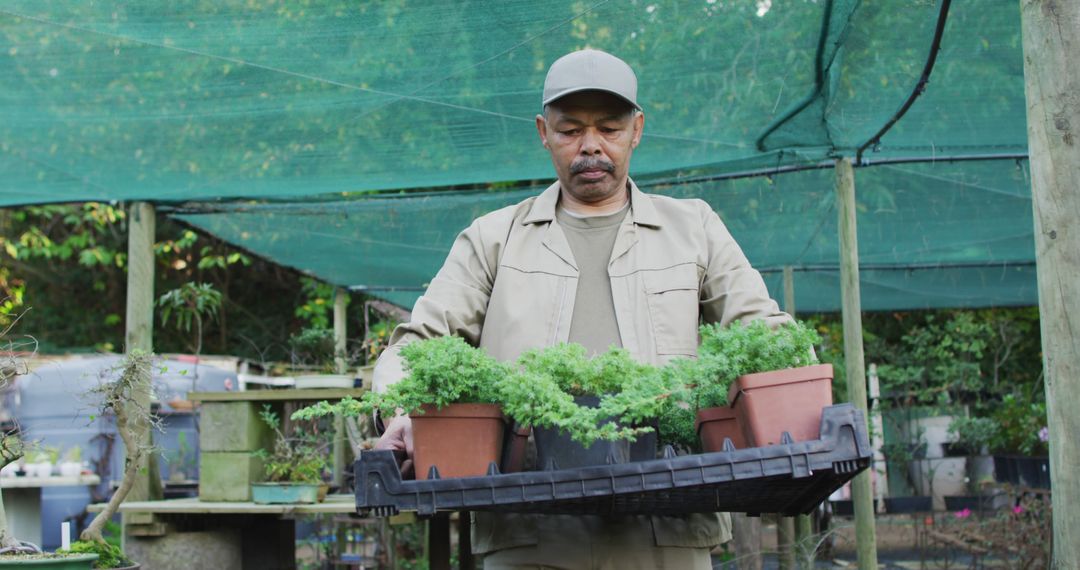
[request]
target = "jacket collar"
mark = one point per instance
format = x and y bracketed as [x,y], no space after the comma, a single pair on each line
[641,207]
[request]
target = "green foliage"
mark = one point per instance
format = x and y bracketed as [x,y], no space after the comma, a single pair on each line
[972,435]
[109,556]
[191,302]
[313,346]
[318,305]
[300,458]
[1021,421]
[541,392]
[738,349]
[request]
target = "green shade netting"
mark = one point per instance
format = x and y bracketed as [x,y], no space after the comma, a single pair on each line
[190,100]
[392,247]
[283,117]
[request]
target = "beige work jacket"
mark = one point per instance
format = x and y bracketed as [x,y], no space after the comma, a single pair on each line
[509,284]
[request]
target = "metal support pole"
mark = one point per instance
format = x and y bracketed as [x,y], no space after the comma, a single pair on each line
[1051,84]
[865,534]
[342,365]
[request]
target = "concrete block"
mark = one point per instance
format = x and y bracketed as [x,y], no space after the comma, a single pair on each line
[233,426]
[217,548]
[227,476]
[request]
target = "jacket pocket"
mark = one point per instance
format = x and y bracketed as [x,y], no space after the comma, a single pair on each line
[673,295]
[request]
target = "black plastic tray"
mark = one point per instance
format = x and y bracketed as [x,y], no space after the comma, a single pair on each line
[790,479]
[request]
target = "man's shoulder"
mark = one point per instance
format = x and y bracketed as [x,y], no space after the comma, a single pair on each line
[505,216]
[678,209]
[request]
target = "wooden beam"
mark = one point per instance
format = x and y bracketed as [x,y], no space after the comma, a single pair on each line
[865,534]
[139,329]
[342,365]
[1052,85]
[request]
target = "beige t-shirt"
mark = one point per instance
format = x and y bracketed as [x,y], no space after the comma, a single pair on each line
[591,240]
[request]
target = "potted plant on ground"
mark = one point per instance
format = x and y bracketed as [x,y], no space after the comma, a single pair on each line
[970,439]
[902,456]
[765,381]
[1020,445]
[294,468]
[451,392]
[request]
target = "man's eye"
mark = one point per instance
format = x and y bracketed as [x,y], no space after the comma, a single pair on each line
[608,130]
[570,132]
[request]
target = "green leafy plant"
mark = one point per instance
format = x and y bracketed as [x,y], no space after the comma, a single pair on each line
[971,435]
[725,354]
[540,393]
[439,372]
[313,347]
[1020,423]
[192,303]
[300,458]
[109,555]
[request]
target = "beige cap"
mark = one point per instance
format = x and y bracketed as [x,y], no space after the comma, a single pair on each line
[588,70]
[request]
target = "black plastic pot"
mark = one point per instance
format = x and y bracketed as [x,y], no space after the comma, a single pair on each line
[843,507]
[976,503]
[919,504]
[1022,470]
[568,454]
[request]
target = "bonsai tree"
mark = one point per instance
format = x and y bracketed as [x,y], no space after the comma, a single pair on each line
[300,458]
[313,348]
[118,398]
[11,450]
[12,447]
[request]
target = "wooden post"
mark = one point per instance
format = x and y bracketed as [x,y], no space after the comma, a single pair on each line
[865,535]
[342,365]
[1051,83]
[746,533]
[139,329]
[785,540]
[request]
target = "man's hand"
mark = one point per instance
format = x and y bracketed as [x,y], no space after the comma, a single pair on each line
[398,437]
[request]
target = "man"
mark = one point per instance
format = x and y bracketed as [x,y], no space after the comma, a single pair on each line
[591,260]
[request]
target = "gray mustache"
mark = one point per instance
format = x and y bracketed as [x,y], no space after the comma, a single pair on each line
[591,164]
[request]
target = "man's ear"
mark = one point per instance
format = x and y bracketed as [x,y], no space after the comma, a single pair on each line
[541,128]
[639,127]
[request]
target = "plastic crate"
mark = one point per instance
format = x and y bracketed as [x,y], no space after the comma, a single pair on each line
[790,479]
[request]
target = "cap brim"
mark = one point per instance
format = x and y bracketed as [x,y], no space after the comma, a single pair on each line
[562,94]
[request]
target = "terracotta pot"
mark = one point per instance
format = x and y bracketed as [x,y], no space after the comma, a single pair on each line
[714,424]
[770,403]
[460,439]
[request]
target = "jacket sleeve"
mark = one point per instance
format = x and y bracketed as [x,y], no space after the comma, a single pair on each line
[455,303]
[731,289]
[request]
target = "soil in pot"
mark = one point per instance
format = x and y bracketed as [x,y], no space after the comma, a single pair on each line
[713,425]
[770,403]
[460,439]
[569,454]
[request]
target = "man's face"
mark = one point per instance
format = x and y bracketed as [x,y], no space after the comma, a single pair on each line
[591,136]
